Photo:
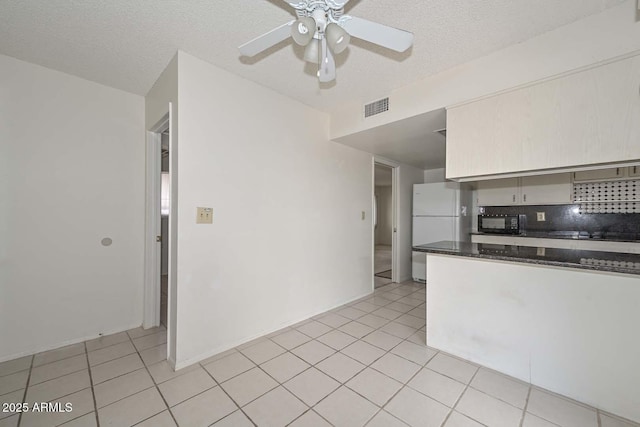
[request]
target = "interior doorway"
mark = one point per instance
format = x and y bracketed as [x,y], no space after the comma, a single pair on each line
[164,226]
[383,224]
[159,286]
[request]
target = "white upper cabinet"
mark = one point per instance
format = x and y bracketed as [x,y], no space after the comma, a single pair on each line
[546,189]
[498,192]
[589,117]
[599,174]
[530,190]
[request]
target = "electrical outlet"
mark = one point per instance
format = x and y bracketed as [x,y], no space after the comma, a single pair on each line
[204,216]
[541,216]
[541,252]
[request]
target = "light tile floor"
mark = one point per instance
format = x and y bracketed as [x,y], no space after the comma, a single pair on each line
[365,363]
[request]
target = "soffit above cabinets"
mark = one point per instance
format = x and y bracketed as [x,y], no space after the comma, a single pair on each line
[416,141]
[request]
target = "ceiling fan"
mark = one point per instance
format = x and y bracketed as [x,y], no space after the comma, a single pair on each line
[325,30]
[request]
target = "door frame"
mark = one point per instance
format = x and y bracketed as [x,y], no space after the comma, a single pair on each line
[394,197]
[152,252]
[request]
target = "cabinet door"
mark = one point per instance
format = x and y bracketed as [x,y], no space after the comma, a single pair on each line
[546,189]
[585,118]
[598,174]
[498,192]
[634,170]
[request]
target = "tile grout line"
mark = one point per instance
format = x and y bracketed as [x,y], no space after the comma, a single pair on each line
[13,373]
[146,366]
[150,348]
[526,405]
[127,355]
[288,329]
[271,337]
[286,350]
[59,376]
[114,359]
[228,395]
[57,360]
[386,412]
[460,398]
[92,385]
[403,384]
[93,393]
[512,379]
[565,399]
[119,375]
[26,388]
[309,409]
[370,366]
[168,408]
[422,366]
[279,384]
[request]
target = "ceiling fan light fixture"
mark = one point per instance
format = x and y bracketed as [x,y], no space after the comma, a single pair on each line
[325,31]
[337,38]
[312,52]
[303,30]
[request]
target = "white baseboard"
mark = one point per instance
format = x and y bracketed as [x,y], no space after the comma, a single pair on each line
[184,363]
[66,343]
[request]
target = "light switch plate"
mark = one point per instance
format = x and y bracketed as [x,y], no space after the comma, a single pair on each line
[541,216]
[204,215]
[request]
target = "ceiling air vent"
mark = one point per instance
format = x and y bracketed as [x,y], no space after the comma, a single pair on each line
[376,107]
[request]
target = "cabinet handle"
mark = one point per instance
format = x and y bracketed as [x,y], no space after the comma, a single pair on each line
[634,170]
[617,171]
[525,197]
[514,198]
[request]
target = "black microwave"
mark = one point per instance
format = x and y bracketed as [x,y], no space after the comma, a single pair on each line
[501,224]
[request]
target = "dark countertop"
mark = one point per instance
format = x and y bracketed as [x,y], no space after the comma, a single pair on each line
[573,235]
[571,258]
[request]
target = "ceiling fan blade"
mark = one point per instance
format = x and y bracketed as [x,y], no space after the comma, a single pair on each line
[267,40]
[327,71]
[382,35]
[304,4]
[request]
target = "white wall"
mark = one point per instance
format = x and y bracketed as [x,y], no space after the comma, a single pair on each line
[434,175]
[287,239]
[72,173]
[384,229]
[407,177]
[596,38]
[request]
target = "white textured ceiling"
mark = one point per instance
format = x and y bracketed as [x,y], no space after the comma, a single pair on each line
[127,43]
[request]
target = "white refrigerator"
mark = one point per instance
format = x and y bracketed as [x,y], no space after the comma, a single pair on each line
[441,211]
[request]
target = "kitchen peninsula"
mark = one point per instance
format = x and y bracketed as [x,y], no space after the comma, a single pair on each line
[562,319]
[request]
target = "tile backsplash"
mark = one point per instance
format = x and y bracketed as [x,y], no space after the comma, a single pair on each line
[572,218]
[608,197]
